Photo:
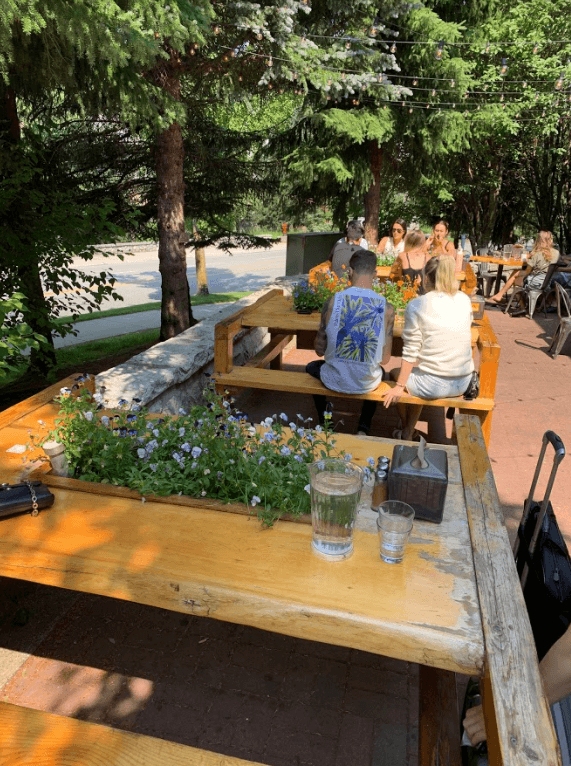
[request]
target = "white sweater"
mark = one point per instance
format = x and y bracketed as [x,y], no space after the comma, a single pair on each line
[436,335]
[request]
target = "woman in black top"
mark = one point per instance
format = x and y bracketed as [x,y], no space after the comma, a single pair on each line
[411,262]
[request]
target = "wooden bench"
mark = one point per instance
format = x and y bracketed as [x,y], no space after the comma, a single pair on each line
[34,738]
[303,383]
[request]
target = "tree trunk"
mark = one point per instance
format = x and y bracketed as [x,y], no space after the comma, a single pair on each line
[176,312]
[200,260]
[372,198]
[43,359]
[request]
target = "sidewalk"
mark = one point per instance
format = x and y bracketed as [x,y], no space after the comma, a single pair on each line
[258,695]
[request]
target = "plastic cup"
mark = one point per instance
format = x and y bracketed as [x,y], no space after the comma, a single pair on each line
[394,524]
[335,492]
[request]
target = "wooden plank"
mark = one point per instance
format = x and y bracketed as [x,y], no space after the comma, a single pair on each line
[41,398]
[34,738]
[302,383]
[525,729]
[109,490]
[489,349]
[270,351]
[439,722]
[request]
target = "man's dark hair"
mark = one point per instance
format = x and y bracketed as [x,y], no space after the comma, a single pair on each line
[354,231]
[363,261]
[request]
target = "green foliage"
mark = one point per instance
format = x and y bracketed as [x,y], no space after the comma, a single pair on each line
[210,452]
[15,338]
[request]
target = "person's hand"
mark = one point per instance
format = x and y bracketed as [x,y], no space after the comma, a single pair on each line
[474,725]
[393,395]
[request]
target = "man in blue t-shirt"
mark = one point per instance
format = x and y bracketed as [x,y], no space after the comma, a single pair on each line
[355,337]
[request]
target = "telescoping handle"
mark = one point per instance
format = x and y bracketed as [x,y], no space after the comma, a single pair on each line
[559,453]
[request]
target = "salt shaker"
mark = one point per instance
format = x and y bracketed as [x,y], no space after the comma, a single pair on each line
[381,486]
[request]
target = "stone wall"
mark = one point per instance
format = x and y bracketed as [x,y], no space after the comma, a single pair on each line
[171,374]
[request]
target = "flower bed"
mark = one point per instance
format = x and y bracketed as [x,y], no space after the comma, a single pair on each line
[210,452]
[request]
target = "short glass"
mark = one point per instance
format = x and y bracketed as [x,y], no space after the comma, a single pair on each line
[335,493]
[394,525]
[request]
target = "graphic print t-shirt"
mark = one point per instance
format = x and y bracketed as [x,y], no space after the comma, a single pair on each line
[355,339]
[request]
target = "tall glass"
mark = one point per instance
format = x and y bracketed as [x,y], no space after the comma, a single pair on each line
[335,492]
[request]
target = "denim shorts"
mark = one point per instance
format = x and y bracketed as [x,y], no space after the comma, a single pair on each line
[427,386]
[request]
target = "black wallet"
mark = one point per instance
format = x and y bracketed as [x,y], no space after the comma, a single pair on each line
[27,497]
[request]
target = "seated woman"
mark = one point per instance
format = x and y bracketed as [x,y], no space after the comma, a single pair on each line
[533,273]
[437,344]
[410,264]
[394,244]
[437,244]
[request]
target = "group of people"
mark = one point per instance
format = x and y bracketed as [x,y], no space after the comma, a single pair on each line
[356,329]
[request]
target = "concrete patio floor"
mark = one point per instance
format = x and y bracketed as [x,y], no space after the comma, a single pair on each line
[258,695]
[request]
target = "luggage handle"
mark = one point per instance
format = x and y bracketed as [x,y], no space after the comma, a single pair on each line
[559,454]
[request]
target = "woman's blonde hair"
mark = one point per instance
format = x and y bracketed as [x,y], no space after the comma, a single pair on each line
[413,240]
[543,244]
[440,273]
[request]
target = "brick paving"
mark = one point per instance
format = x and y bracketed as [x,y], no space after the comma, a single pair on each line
[245,692]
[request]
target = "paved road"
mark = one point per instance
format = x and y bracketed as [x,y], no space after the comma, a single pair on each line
[139,281]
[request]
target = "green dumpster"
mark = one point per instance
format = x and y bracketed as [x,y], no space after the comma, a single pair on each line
[304,251]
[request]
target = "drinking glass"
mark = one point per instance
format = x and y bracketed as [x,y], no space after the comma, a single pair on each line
[335,492]
[394,525]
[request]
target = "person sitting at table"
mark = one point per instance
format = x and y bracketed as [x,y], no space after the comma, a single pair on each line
[355,338]
[555,672]
[533,273]
[437,344]
[344,248]
[410,263]
[437,244]
[392,245]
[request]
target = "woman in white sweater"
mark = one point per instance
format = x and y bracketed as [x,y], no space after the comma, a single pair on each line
[437,348]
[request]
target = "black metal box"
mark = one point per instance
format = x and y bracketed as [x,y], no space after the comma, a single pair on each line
[422,488]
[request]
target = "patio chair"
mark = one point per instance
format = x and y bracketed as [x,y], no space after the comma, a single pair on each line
[564,328]
[530,297]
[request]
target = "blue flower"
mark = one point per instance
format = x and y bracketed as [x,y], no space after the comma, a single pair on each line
[318,429]
[293,426]
[156,432]
[255,500]
[153,467]
[347,457]
[284,417]
[88,415]
[321,465]
[298,458]
[122,403]
[181,431]
[261,459]
[269,436]
[105,420]
[371,461]
[185,447]
[182,411]
[131,418]
[196,452]
[285,450]
[142,453]
[153,444]
[307,488]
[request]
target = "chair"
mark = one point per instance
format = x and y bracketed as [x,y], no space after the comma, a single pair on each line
[564,328]
[533,295]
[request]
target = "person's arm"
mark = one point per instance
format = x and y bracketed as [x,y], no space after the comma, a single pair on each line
[389,329]
[321,337]
[382,244]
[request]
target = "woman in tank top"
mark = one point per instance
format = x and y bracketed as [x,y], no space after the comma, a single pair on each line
[393,245]
[410,263]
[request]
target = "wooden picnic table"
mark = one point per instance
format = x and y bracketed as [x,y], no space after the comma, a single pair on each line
[275,312]
[454,605]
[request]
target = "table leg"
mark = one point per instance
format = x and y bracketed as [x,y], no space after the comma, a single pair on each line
[499,277]
[438,719]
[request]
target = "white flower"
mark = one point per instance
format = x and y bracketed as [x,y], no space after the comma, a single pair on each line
[196,452]
[156,432]
[300,417]
[181,411]
[231,462]
[321,465]
[65,391]
[307,488]
[255,500]
[268,422]
[97,398]
[88,416]
[226,404]
[206,471]
[194,465]
[141,453]
[181,431]
[203,493]
[153,467]
[318,429]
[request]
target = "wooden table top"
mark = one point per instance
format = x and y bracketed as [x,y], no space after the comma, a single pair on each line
[515,263]
[225,566]
[278,312]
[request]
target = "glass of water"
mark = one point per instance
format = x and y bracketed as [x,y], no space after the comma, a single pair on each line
[335,492]
[394,525]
